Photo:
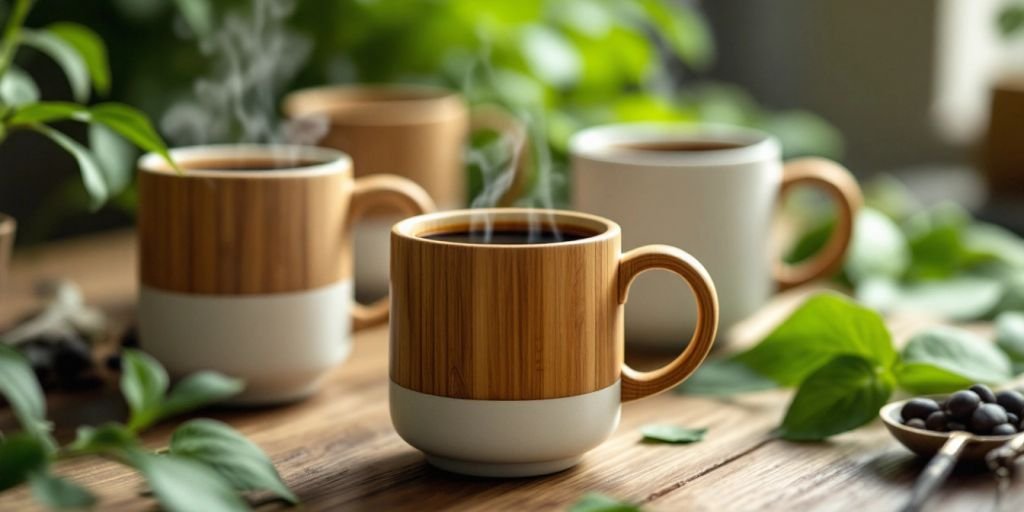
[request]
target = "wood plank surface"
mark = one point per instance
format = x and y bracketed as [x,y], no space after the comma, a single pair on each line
[339,452]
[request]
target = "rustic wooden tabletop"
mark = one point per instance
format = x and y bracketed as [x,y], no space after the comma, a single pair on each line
[338,450]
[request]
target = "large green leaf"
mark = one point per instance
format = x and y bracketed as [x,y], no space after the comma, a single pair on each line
[90,47]
[228,452]
[92,174]
[19,386]
[20,455]
[825,326]
[59,493]
[182,484]
[1010,334]
[65,55]
[143,384]
[17,88]
[840,396]
[115,156]
[683,30]
[943,359]
[48,111]
[550,55]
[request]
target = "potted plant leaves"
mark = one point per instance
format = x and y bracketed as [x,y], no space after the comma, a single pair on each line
[82,56]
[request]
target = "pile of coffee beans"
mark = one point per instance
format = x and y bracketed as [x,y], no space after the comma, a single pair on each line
[977,410]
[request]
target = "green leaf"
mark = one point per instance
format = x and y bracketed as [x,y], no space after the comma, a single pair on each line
[115,156]
[840,396]
[943,359]
[1011,20]
[990,242]
[811,242]
[197,390]
[185,485]
[133,125]
[143,384]
[20,455]
[59,493]
[936,241]
[90,47]
[724,377]
[107,438]
[45,112]
[19,386]
[228,452]
[596,502]
[683,29]
[889,196]
[878,248]
[198,14]
[672,434]
[958,299]
[1010,334]
[825,326]
[92,175]
[65,56]
[17,88]
[551,56]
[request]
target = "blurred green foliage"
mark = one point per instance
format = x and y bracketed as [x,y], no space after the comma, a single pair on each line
[563,64]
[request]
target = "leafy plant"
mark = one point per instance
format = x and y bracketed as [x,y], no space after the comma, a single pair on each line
[83,57]
[936,260]
[205,467]
[840,357]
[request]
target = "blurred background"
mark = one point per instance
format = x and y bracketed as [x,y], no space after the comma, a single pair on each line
[888,88]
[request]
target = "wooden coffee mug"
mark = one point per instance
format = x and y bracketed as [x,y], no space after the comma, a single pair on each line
[507,349]
[245,262]
[7,229]
[712,189]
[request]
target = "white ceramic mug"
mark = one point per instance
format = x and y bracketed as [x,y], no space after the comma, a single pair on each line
[245,262]
[712,189]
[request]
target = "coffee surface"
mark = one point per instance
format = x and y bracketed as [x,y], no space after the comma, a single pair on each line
[679,146]
[247,164]
[508,237]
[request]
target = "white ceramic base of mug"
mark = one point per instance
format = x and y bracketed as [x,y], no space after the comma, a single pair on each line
[512,470]
[281,345]
[504,438]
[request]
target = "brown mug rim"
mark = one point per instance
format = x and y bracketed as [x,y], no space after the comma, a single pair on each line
[375,104]
[595,229]
[328,161]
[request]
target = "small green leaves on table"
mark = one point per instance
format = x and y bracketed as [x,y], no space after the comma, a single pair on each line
[672,434]
[596,502]
[186,485]
[20,455]
[59,493]
[19,386]
[944,359]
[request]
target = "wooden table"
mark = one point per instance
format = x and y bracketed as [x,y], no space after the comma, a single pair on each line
[338,451]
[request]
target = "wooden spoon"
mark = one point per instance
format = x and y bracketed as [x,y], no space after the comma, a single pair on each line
[945,448]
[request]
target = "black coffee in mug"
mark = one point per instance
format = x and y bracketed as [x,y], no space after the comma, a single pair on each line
[504,236]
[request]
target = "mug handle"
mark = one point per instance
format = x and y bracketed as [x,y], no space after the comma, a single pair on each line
[636,384]
[842,187]
[393,192]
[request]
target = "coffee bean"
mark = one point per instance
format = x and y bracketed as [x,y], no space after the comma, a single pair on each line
[918,408]
[986,417]
[1011,400]
[1012,419]
[916,423]
[962,404]
[955,426]
[984,392]
[936,421]
[1004,429]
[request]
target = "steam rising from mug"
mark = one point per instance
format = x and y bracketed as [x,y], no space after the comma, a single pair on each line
[253,57]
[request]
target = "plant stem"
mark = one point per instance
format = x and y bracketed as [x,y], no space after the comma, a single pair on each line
[9,40]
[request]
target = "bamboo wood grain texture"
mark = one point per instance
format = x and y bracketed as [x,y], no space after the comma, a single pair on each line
[238,235]
[411,131]
[7,230]
[842,187]
[338,451]
[505,322]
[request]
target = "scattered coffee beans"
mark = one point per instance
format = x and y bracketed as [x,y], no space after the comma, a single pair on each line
[976,410]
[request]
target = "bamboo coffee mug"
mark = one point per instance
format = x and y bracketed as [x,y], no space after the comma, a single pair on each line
[507,354]
[414,131]
[245,262]
[711,189]
[7,229]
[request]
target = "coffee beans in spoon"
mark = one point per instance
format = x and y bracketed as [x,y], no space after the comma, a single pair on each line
[977,410]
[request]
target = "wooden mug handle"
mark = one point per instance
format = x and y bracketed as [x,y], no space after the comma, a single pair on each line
[842,187]
[395,193]
[636,384]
